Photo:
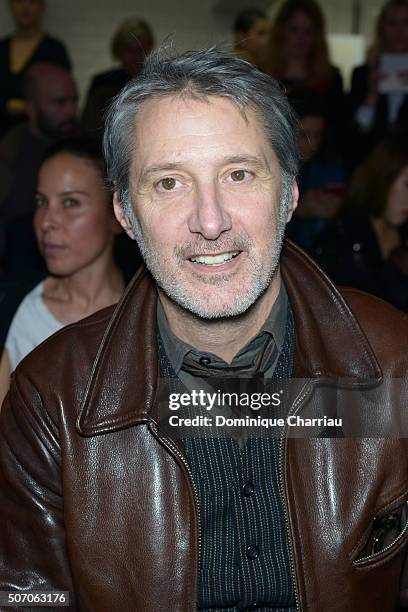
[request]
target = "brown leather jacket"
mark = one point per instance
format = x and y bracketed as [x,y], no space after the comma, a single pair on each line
[94,501]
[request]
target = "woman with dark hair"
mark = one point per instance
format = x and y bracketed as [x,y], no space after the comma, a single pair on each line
[372,111]
[251,33]
[26,46]
[298,57]
[367,246]
[75,229]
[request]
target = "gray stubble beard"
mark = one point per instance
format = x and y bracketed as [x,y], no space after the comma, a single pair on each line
[261,278]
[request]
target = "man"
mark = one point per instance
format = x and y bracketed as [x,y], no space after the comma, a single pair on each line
[51,104]
[95,497]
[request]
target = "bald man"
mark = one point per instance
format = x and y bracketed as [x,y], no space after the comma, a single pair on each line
[51,101]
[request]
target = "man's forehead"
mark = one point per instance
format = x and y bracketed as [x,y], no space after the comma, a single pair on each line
[185,106]
[164,125]
[62,89]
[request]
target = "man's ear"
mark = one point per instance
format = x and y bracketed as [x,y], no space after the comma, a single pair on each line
[120,215]
[294,201]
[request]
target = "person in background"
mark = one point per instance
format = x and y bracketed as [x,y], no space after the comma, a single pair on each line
[28,45]
[131,44]
[371,111]
[367,246]
[75,229]
[251,34]
[322,177]
[51,103]
[298,57]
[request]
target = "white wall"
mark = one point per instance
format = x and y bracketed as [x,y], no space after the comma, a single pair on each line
[87,25]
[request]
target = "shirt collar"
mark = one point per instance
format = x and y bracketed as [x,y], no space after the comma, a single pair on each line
[275,326]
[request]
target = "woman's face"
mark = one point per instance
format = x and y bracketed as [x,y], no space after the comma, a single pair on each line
[395,31]
[73,222]
[298,35]
[257,37]
[27,13]
[396,211]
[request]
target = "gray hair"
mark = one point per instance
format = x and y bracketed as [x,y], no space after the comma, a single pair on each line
[198,74]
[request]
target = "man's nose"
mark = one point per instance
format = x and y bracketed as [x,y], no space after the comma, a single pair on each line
[209,216]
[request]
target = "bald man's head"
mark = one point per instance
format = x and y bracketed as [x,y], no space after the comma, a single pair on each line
[51,97]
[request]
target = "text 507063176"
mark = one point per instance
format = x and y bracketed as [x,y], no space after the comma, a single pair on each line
[51,599]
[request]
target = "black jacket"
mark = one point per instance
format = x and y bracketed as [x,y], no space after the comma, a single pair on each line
[349,252]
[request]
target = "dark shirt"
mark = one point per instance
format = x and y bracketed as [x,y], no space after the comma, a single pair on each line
[270,336]
[103,88]
[114,79]
[331,95]
[49,50]
[21,154]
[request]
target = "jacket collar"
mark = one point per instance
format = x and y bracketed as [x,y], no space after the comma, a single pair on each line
[121,389]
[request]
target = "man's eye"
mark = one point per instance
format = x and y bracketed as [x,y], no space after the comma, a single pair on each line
[168,184]
[237,176]
[70,202]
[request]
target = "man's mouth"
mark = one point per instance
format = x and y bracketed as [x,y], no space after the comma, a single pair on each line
[214,260]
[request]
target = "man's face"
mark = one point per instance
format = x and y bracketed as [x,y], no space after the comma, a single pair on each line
[206,187]
[56,106]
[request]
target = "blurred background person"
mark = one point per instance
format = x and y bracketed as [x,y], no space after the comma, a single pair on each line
[367,246]
[298,57]
[75,229]
[322,177]
[28,45]
[51,104]
[131,44]
[251,34]
[373,112]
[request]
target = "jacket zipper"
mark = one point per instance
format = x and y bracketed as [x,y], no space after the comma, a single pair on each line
[384,550]
[302,395]
[176,451]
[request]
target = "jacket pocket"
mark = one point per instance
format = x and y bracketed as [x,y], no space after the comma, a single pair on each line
[385,537]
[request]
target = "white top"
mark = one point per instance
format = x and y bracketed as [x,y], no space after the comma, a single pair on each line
[31,324]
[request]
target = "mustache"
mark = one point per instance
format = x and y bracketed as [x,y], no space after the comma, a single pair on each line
[201,246]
